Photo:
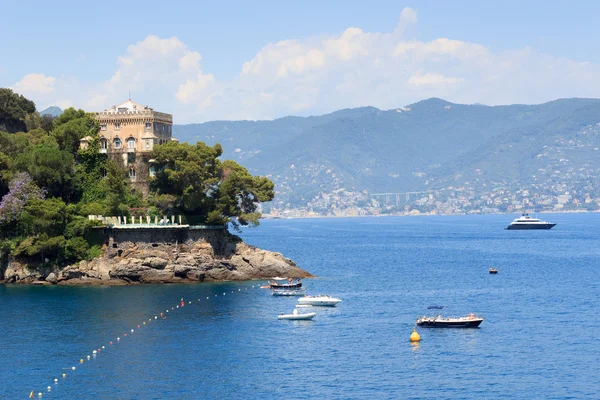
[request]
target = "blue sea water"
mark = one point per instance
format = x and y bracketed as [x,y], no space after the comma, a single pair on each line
[540,339]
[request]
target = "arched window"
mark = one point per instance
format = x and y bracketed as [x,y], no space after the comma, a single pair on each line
[117,143]
[132,173]
[131,143]
[103,144]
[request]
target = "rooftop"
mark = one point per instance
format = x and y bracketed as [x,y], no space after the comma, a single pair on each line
[128,106]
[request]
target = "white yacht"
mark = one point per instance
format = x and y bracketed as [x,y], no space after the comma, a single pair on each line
[321,300]
[527,222]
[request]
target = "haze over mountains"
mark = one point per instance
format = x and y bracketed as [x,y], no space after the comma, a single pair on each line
[427,145]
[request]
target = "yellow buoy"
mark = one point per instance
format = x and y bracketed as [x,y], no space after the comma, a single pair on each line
[414,336]
[81,361]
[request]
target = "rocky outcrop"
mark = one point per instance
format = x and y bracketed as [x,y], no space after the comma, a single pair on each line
[217,257]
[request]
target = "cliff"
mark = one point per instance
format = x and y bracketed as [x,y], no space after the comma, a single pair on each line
[138,257]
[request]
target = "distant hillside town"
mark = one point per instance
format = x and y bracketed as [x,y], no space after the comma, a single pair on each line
[432,157]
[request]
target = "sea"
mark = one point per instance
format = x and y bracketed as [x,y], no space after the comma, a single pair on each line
[540,338]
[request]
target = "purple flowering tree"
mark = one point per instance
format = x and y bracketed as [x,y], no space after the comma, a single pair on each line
[21,190]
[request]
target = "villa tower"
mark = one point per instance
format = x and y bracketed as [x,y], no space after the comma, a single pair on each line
[128,134]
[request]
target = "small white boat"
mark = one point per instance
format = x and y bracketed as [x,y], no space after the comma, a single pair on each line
[296,316]
[289,292]
[320,300]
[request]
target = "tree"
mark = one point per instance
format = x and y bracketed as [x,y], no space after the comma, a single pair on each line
[206,189]
[71,126]
[52,169]
[116,189]
[14,110]
[239,193]
[43,217]
[22,191]
[188,172]
[90,171]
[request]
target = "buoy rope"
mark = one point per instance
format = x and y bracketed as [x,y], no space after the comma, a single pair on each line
[152,317]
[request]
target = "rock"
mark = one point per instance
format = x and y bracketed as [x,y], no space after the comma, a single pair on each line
[181,271]
[10,275]
[155,262]
[51,278]
[219,256]
[69,273]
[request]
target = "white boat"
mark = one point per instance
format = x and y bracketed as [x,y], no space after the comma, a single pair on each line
[320,300]
[526,222]
[289,292]
[296,316]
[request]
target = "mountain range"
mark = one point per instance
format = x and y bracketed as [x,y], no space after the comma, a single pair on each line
[427,145]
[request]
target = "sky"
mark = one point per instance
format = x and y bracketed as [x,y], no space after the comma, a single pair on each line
[203,61]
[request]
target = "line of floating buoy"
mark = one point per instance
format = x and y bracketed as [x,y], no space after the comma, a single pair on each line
[118,340]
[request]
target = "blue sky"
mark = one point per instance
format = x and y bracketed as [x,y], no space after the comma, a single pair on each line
[306,57]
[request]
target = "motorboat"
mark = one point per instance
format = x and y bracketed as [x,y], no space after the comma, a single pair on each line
[527,222]
[321,300]
[289,283]
[289,292]
[297,316]
[493,270]
[468,321]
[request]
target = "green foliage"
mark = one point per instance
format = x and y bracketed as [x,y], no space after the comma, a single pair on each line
[192,180]
[44,246]
[116,188]
[52,169]
[43,217]
[76,249]
[71,126]
[93,252]
[93,208]
[14,111]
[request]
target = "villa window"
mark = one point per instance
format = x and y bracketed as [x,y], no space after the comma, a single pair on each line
[117,126]
[152,171]
[132,173]
[104,144]
[147,144]
[148,126]
[103,127]
[131,143]
[117,143]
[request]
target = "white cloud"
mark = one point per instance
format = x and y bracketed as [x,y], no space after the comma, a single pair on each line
[324,73]
[33,84]
[429,79]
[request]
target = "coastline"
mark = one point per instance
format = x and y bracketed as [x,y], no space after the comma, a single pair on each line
[425,215]
[213,257]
